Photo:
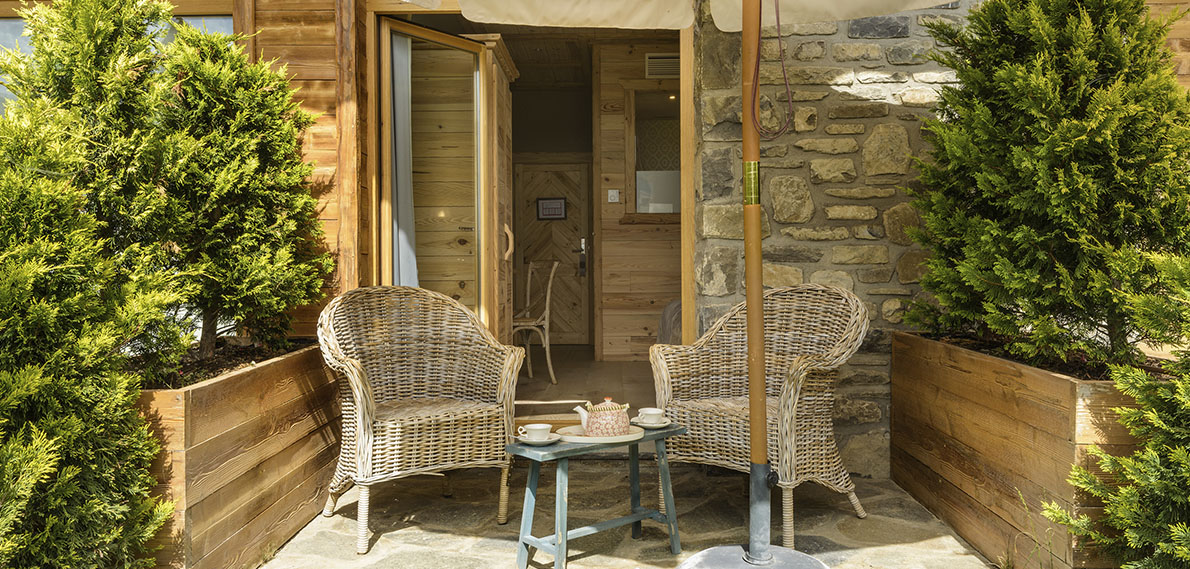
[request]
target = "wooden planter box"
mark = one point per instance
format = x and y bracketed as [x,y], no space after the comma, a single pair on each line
[246,459]
[983,442]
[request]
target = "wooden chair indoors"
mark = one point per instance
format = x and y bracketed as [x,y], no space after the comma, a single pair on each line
[524,321]
[810,330]
[424,388]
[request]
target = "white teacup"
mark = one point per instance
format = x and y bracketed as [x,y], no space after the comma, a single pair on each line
[651,415]
[535,431]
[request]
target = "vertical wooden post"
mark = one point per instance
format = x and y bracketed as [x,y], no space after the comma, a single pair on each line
[348,15]
[689,146]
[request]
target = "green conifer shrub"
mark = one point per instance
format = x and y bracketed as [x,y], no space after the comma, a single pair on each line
[100,59]
[1146,496]
[245,224]
[1062,155]
[74,452]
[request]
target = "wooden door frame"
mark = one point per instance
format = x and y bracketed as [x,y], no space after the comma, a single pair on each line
[374,9]
[380,25]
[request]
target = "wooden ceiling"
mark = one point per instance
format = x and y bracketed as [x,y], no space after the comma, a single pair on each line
[547,58]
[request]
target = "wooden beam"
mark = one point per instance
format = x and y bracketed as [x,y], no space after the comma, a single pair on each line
[597,198]
[348,14]
[689,147]
[401,7]
[243,17]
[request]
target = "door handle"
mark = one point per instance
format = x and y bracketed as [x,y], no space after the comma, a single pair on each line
[511,241]
[582,258]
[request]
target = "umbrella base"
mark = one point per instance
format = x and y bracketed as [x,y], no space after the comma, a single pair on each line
[732,557]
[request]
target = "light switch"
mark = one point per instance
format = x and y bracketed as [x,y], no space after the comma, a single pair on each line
[613,196]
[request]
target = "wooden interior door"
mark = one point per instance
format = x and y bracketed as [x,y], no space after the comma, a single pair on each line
[548,240]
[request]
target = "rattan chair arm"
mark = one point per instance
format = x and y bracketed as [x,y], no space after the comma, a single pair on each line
[513,356]
[365,409]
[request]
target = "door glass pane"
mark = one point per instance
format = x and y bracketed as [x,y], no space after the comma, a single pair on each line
[658,152]
[435,170]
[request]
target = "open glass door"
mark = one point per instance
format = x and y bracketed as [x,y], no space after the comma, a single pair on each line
[431,173]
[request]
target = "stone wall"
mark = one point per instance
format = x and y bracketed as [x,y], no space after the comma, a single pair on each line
[833,187]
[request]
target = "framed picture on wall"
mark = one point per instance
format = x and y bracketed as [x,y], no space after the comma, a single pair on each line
[551,208]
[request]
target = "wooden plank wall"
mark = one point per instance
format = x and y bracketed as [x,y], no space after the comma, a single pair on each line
[984,442]
[639,266]
[300,34]
[444,170]
[1179,36]
[246,457]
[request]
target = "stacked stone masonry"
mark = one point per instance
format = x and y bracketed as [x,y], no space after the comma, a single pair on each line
[833,186]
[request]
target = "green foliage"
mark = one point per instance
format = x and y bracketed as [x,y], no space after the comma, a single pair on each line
[1146,496]
[1061,157]
[74,452]
[100,60]
[244,221]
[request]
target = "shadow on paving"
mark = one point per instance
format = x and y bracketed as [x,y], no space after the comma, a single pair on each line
[414,526]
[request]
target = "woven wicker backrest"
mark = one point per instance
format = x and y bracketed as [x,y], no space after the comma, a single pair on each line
[807,319]
[413,342]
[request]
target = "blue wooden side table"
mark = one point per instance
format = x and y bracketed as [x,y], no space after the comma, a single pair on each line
[562,452]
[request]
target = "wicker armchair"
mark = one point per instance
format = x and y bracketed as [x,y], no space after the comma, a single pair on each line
[810,330]
[424,388]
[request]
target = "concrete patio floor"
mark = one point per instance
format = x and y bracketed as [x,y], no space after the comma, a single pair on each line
[415,527]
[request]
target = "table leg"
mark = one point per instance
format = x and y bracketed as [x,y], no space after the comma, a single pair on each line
[671,514]
[634,484]
[522,551]
[563,496]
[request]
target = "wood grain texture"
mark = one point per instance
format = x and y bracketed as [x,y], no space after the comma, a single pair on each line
[983,442]
[689,151]
[633,261]
[555,240]
[235,448]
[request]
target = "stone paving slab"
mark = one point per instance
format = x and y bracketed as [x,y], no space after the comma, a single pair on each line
[415,527]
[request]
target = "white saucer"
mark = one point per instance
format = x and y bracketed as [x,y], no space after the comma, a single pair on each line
[553,438]
[665,422]
[576,434]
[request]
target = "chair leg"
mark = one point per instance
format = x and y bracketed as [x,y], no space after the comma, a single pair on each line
[502,511]
[859,508]
[549,361]
[787,517]
[528,357]
[361,524]
[338,485]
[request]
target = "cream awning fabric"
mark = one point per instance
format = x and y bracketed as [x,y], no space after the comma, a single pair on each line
[727,14]
[431,4]
[670,14]
[637,14]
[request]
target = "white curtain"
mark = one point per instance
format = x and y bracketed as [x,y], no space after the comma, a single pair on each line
[404,256]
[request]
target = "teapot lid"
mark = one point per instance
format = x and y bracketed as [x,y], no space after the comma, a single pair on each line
[607,405]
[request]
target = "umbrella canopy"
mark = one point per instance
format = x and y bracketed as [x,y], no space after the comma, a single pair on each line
[666,14]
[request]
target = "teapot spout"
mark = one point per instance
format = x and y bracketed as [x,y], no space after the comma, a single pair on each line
[582,415]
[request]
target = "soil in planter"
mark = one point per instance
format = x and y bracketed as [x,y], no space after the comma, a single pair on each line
[1077,364]
[231,353]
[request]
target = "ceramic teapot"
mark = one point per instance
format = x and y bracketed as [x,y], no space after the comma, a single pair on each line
[606,419]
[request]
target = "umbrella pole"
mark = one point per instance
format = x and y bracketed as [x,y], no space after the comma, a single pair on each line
[758,552]
[759,504]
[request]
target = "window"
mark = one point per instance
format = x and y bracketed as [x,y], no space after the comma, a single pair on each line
[653,157]
[10,37]
[210,23]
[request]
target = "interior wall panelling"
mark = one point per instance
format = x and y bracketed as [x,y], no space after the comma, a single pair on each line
[640,265]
